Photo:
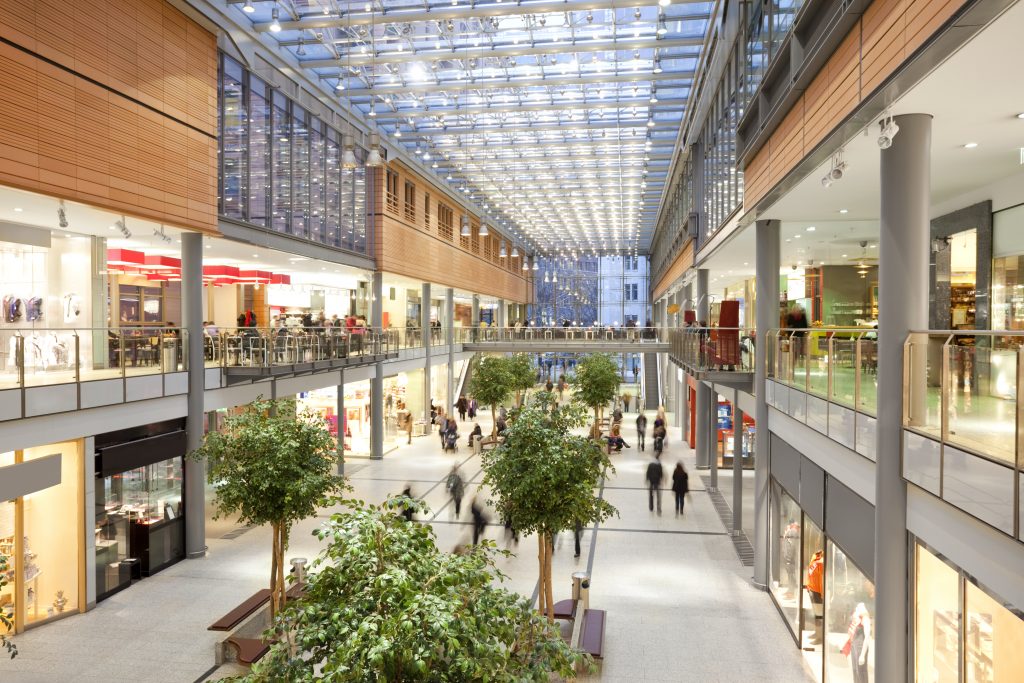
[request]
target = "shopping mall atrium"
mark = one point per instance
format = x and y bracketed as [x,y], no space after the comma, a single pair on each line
[448,298]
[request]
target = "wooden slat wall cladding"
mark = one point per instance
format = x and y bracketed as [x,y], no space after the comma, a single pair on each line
[675,271]
[887,34]
[113,103]
[412,248]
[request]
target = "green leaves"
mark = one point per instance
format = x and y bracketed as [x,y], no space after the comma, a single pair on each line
[492,382]
[6,623]
[543,476]
[271,465]
[597,380]
[384,604]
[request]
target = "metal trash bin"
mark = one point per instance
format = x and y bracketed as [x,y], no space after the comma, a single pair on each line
[581,588]
[478,444]
[169,348]
[299,570]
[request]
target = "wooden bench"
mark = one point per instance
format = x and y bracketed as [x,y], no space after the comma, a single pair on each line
[592,632]
[250,650]
[235,616]
[565,609]
[490,443]
[296,591]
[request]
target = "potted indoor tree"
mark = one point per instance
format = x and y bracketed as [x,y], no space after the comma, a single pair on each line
[597,383]
[543,477]
[491,385]
[523,376]
[272,466]
[383,603]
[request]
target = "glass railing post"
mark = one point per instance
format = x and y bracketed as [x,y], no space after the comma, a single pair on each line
[944,389]
[1020,416]
[830,364]
[19,358]
[78,358]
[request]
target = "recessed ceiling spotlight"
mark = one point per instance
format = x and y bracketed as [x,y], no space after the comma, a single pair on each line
[248,8]
[1021,115]
[844,211]
[970,145]
[811,228]
[17,209]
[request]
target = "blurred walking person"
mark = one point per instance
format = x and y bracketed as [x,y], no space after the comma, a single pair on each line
[680,486]
[655,476]
[641,428]
[457,488]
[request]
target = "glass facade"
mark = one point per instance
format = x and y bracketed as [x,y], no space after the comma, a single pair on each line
[280,166]
[722,181]
[849,620]
[785,548]
[606,291]
[962,633]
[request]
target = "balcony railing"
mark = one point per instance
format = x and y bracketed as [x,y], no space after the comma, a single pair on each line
[254,347]
[826,378]
[963,426]
[573,333]
[713,349]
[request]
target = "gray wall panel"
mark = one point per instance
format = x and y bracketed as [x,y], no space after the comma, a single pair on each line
[29,477]
[812,491]
[850,522]
[785,465]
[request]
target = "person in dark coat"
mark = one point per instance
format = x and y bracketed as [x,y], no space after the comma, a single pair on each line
[462,405]
[659,440]
[456,487]
[475,433]
[406,508]
[680,486]
[641,428]
[479,519]
[655,476]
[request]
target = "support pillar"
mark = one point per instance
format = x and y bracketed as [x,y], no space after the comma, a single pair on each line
[449,340]
[192,322]
[706,414]
[501,314]
[903,272]
[427,334]
[341,424]
[377,383]
[711,442]
[737,465]
[766,316]
[476,310]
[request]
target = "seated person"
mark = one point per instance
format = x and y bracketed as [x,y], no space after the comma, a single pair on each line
[475,433]
[615,440]
[502,425]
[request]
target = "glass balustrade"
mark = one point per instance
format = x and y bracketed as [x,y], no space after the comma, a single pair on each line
[722,349]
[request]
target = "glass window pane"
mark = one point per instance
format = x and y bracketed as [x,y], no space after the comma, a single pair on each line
[814,588]
[785,555]
[234,125]
[317,216]
[849,613]
[994,639]
[281,164]
[333,189]
[937,620]
[259,151]
[360,239]
[300,172]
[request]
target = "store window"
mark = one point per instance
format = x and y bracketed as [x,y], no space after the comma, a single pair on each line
[41,535]
[849,617]
[813,628]
[993,639]
[936,620]
[785,555]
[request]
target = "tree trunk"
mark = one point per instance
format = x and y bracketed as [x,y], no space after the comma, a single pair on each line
[494,421]
[274,555]
[280,568]
[550,590]
[542,575]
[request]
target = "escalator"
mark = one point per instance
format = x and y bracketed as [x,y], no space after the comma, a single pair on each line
[652,382]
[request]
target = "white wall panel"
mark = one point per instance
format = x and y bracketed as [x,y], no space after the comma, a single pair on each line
[57,398]
[102,392]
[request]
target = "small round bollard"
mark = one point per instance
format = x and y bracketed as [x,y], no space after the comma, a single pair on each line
[299,569]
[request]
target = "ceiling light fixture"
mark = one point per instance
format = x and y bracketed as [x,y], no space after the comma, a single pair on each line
[275,24]
[348,156]
[888,132]
[248,8]
[484,230]
[465,231]
[970,145]
[374,158]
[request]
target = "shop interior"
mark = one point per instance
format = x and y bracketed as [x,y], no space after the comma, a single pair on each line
[40,536]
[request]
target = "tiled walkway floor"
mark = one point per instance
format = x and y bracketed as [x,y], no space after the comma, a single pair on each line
[680,607]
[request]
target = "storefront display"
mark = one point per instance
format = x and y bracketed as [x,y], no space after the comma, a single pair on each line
[849,617]
[786,561]
[140,527]
[954,618]
[40,535]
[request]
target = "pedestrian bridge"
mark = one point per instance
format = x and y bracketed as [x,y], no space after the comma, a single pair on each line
[572,339]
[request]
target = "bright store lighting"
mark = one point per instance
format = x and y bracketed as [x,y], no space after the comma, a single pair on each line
[275,24]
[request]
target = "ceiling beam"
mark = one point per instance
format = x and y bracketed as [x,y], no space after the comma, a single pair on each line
[509,108]
[464,12]
[639,124]
[522,82]
[499,145]
[485,52]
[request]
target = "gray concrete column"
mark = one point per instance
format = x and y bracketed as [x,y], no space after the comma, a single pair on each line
[684,408]
[501,313]
[766,316]
[706,413]
[341,423]
[737,465]
[449,339]
[711,443]
[903,253]
[427,334]
[377,383]
[192,322]
[476,311]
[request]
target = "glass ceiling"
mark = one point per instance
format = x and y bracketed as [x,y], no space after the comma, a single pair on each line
[558,118]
